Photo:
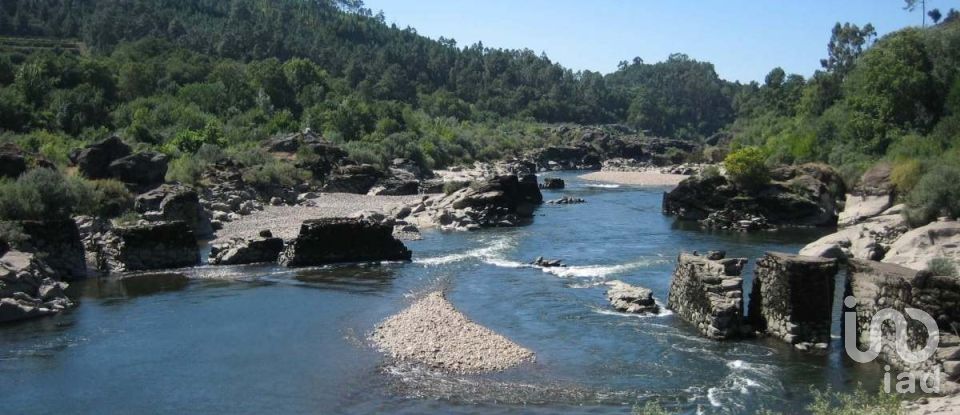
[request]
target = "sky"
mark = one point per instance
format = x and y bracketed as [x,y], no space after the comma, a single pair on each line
[743,39]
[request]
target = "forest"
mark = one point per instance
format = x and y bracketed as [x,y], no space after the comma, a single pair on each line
[181,76]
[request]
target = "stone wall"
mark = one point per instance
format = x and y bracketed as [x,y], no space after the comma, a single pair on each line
[157,245]
[708,293]
[332,240]
[58,243]
[792,298]
[876,286]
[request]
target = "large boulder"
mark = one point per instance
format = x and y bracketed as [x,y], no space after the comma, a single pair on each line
[93,161]
[13,162]
[869,239]
[357,179]
[172,202]
[263,249]
[332,240]
[58,242]
[150,246]
[627,298]
[29,288]
[916,248]
[141,170]
[873,194]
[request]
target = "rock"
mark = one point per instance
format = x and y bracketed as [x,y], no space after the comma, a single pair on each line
[792,297]
[29,288]
[59,243]
[93,161]
[142,170]
[547,263]
[630,299]
[13,162]
[709,295]
[151,246]
[247,251]
[916,248]
[332,240]
[175,202]
[398,183]
[858,208]
[566,200]
[410,167]
[552,183]
[358,179]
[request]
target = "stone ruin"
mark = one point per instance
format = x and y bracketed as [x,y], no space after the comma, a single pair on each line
[707,291]
[792,298]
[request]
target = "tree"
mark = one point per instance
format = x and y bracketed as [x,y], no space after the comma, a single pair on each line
[935,15]
[911,5]
[846,45]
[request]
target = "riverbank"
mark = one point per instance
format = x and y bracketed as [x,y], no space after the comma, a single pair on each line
[635,178]
[284,221]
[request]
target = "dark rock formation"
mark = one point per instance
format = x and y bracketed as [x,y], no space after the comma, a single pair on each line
[29,288]
[93,161]
[876,286]
[58,243]
[547,263]
[151,246]
[357,179]
[172,202]
[792,298]
[13,162]
[264,249]
[798,196]
[566,200]
[631,299]
[332,240]
[140,170]
[552,183]
[709,294]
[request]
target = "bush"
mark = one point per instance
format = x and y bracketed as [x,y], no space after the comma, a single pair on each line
[450,187]
[943,267]
[111,198]
[11,234]
[906,174]
[857,403]
[42,194]
[936,193]
[274,173]
[710,172]
[185,169]
[746,167]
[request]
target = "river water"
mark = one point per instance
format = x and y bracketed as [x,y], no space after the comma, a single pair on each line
[264,339]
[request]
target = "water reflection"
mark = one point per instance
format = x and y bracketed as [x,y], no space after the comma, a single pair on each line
[354,278]
[132,285]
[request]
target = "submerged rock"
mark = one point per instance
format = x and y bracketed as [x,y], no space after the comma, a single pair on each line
[263,249]
[332,240]
[566,200]
[547,263]
[631,299]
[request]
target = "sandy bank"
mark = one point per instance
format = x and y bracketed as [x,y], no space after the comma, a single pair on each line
[433,332]
[644,178]
[284,221]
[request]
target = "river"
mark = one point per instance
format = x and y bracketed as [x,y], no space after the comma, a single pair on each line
[265,339]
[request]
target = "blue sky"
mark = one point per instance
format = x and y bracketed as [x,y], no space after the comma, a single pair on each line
[743,39]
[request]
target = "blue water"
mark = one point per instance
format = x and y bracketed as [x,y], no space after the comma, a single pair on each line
[266,339]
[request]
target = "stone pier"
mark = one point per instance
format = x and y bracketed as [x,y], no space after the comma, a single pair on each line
[708,293]
[792,298]
[876,286]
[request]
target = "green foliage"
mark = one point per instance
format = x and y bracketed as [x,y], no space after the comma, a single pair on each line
[859,402]
[936,193]
[942,267]
[274,173]
[11,233]
[652,407]
[747,167]
[42,194]
[710,172]
[905,174]
[109,198]
[189,141]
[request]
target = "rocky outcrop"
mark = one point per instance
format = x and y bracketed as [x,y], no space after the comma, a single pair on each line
[872,195]
[566,158]
[238,251]
[708,293]
[804,195]
[627,298]
[500,201]
[14,161]
[140,170]
[916,248]
[552,183]
[172,202]
[28,287]
[312,152]
[792,298]
[93,161]
[149,246]
[547,263]
[875,286]
[332,240]
[58,243]
[358,179]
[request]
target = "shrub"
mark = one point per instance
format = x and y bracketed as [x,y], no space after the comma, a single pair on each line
[185,169]
[274,173]
[11,234]
[858,402]
[450,187]
[746,167]
[942,267]
[906,174]
[110,198]
[936,193]
[710,172]
[42,194]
